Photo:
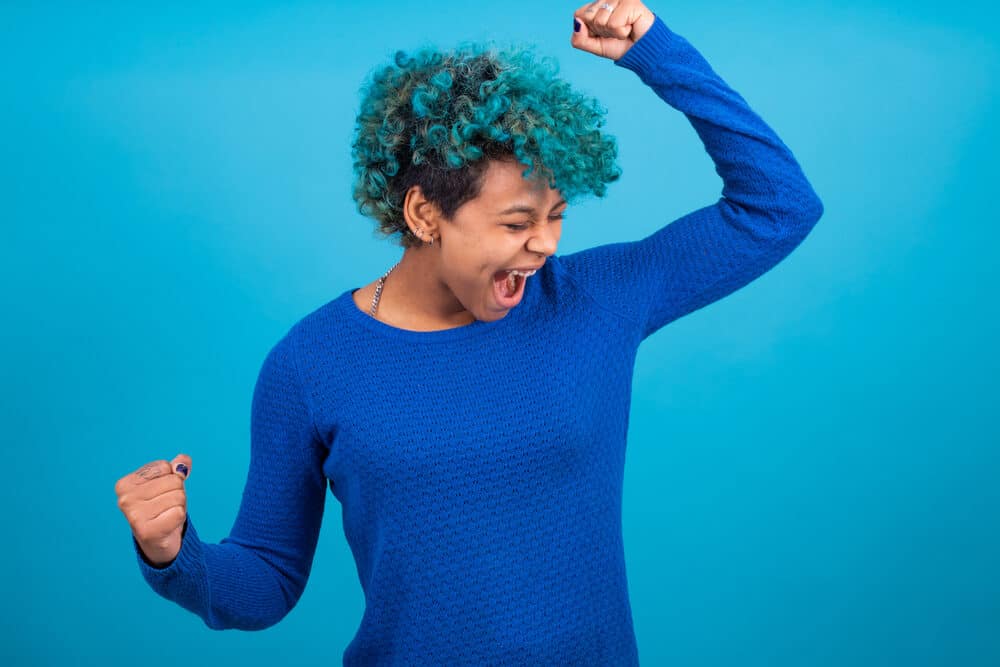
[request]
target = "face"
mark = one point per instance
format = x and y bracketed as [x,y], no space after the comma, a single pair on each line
[513,223]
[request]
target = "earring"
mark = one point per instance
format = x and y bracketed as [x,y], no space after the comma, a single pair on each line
[420,235]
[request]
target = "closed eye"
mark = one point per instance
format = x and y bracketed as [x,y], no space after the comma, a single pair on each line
[523,226]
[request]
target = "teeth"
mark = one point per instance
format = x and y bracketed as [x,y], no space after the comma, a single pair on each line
[524,273]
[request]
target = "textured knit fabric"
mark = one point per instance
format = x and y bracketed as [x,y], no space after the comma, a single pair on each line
[479,469]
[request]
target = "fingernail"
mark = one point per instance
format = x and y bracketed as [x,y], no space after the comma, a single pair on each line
[576,26]
[183,469]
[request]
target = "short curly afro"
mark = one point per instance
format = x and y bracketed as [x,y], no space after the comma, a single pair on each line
[435,119]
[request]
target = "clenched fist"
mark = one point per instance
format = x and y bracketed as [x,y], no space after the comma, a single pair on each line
[154,502]
[609,28]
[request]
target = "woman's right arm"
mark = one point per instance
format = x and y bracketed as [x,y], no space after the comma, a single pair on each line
[256,575]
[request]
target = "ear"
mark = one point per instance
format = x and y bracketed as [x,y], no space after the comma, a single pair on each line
[422,215]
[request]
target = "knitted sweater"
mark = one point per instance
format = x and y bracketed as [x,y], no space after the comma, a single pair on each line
[479,469]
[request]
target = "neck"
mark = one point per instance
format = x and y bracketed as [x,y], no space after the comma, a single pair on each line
[414,294]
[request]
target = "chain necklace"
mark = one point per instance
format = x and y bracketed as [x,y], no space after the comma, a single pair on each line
[378,289]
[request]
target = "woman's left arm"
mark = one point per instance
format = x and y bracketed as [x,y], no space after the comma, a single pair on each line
[767,207]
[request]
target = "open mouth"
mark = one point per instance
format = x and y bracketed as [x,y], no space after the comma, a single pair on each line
[508,287]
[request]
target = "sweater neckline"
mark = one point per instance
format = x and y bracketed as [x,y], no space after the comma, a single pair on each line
[350,310]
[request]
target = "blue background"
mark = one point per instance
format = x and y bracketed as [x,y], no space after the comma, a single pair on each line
[812,472]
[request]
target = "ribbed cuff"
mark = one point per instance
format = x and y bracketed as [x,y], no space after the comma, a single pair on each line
[188,557]
[649,50]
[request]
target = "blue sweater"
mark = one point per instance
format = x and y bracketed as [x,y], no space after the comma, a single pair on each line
[479,469]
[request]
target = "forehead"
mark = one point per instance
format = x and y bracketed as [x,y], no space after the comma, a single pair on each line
[503,184]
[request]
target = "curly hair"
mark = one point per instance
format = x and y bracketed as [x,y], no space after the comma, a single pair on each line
[435,119]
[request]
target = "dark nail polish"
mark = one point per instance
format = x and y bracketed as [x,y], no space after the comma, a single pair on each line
[182,469]
[576,26]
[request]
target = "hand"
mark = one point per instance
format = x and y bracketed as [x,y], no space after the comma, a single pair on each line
[154,502]
[610,34]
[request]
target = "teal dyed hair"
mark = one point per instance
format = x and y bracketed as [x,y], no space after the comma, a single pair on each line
[435,119]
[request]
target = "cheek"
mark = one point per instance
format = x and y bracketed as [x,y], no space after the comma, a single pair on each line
[482,253]
[469,263]
[474,252]
[459,249]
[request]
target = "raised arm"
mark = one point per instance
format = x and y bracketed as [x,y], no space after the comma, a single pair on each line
[767,206]
[253,578]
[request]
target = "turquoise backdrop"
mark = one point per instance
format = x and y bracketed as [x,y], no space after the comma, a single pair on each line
[813,474]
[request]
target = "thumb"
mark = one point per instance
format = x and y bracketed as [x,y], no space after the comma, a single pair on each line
[181,465]
[582,39]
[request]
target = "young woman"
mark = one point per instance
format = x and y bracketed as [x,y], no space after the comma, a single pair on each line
[469,408]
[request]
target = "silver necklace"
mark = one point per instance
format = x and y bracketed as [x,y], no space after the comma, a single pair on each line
[378,289]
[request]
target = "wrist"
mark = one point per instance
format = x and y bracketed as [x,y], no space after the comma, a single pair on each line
[642,25]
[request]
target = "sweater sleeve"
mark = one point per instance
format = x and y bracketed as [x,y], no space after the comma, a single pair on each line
[253,577]
[767,206]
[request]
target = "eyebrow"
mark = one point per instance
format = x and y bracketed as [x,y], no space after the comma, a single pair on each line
[523,208]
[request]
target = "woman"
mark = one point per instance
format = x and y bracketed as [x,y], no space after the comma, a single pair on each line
[469,409]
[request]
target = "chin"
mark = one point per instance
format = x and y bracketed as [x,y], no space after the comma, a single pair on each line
[494,315]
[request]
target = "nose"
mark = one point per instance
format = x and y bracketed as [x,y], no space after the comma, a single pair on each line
[545,239]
